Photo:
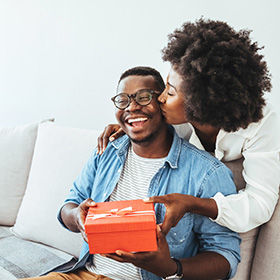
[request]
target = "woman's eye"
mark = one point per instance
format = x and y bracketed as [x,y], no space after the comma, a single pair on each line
[170,94]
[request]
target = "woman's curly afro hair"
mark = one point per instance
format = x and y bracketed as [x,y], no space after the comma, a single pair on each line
[224,77]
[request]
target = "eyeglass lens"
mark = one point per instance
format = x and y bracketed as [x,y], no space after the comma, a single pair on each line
[142,98]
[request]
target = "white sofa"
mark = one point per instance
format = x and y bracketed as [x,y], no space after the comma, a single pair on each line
[38,163]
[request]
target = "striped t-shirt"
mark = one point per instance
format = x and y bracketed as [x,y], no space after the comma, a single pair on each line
[133,184]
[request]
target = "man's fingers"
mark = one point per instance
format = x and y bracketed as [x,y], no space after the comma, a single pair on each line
[84,206]
[125,255]
[120,256]
[160,238]
[83,210]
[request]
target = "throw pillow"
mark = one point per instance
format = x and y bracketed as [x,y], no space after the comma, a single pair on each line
[16,151]
[59,156]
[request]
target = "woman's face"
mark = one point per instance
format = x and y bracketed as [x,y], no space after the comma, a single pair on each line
[172,100]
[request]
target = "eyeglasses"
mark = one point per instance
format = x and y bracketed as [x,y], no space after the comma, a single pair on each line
[142,97]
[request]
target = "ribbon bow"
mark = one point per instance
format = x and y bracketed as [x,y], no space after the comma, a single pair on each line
[128,211]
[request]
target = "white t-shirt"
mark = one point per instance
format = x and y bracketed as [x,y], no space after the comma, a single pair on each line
[133,184]
[259,144]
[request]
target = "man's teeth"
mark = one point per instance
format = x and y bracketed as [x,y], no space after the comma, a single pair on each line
[137,120]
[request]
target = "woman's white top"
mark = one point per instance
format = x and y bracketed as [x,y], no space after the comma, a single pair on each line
[259,144]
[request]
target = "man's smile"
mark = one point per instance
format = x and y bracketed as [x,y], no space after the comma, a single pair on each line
[136,122]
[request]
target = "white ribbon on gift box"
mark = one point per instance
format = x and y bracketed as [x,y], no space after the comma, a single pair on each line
[128,211]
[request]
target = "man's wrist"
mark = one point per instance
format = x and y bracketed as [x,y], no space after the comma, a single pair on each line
[179,271]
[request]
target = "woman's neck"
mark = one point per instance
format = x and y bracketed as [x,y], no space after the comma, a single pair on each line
[207,135]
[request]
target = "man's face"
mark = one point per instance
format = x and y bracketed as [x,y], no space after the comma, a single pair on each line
[140,123]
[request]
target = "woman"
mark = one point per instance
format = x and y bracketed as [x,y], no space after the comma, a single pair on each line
[215,91]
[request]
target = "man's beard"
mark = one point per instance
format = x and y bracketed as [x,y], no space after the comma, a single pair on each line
[148,139]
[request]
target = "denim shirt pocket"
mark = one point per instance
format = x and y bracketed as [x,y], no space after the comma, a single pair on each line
[181,233]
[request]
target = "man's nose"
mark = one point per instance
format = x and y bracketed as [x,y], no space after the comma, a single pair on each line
[133,105]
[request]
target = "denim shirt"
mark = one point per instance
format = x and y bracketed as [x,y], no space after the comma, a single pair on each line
[186,170]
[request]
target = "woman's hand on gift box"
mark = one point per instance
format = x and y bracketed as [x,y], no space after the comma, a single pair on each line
[74,216]
[178,204]
[158,262]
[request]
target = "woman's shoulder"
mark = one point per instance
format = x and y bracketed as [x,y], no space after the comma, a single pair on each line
[268,123]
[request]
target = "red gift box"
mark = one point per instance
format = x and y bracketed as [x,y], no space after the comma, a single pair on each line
[128,225]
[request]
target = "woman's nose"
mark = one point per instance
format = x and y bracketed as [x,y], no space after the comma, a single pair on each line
[162,97]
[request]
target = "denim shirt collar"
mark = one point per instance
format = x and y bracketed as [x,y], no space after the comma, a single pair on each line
[122,144]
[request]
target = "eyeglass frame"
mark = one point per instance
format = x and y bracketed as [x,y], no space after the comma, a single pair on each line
[133,96]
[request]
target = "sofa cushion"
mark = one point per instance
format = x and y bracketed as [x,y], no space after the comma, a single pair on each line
[247,251]
[31,259]
[16,151]
[267,255]
[59,156]
[249,239]
[236,167]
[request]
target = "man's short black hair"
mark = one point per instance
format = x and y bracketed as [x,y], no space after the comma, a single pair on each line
[224,76]
[145,71]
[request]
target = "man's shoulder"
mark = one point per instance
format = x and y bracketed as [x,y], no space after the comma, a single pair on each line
[194,154]
[210,174]
[115,148]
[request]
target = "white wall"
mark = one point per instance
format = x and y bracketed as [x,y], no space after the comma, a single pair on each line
[62,58]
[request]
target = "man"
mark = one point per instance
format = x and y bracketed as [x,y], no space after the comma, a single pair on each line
[152,160]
